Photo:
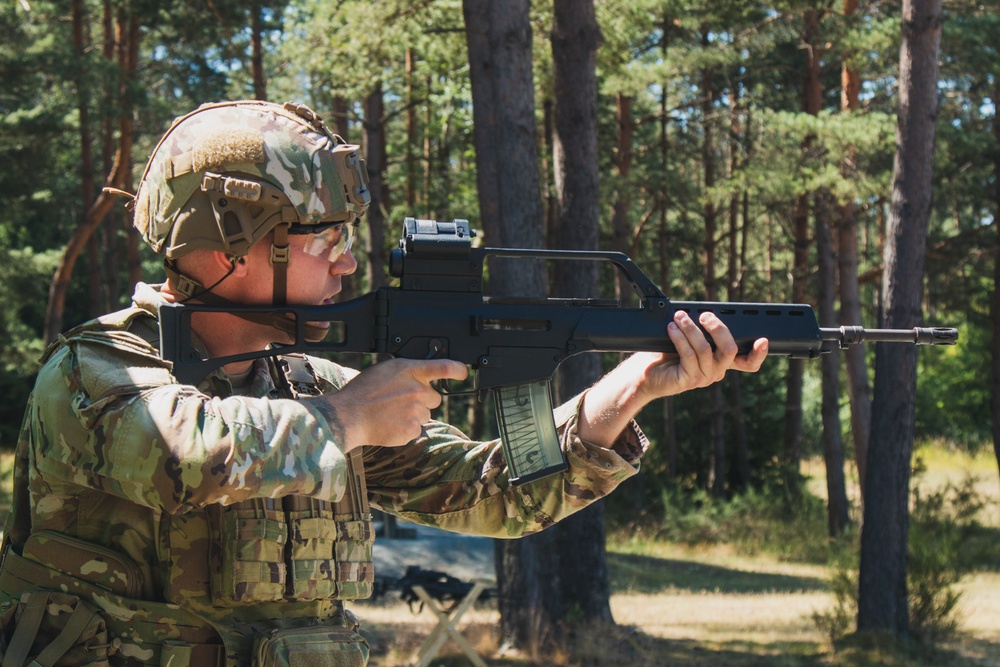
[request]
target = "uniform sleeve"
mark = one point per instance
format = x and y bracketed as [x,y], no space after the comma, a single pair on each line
[117,422]
[446,480]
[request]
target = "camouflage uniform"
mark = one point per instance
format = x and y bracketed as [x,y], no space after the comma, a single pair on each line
[168,524]
[208,515]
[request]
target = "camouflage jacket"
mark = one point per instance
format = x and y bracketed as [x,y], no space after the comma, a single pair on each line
[115,453]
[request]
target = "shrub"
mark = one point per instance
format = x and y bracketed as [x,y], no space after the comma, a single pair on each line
[940,523]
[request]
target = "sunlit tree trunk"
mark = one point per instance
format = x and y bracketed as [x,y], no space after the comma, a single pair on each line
[995,301]
[882,597]
[734,283]
[411,134]
[584,583]
[833,446]
[859,389]
[374,140]
[812,101]
[716,428]
[663,244]
[257,54]
[504,133]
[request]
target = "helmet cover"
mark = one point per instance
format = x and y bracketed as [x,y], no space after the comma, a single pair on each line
[223,176]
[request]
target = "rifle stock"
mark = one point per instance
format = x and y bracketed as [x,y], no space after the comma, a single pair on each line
[513,345]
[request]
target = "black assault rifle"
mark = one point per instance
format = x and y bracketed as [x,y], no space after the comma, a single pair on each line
[515,344]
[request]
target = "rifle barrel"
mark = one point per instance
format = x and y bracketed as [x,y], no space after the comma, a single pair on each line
[854,335]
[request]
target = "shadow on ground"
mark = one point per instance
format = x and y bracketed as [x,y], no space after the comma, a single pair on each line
[631,573]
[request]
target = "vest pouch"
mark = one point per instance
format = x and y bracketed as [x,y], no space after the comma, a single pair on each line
[91,562]
[353,555]
[252,540]
[313,646]
[49,629]
[313,535]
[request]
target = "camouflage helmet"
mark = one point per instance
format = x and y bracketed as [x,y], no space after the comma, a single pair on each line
[225,175]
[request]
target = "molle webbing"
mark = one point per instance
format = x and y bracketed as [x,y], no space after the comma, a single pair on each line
[296,547]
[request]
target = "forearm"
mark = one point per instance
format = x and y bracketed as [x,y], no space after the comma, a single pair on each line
[614,401]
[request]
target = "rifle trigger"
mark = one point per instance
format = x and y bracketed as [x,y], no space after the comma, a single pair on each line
[437,349]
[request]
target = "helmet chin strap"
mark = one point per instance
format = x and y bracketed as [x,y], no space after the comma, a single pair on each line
[192,289]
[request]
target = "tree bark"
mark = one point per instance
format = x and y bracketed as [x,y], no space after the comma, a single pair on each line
[584,583]
[411,134]
[734,285]
[86,169]
[504,134]
[257,55]
[374,139]
[859,389]
[882,599]
[663,243]
[620,229]
[995,300]
[716,427]
[838,516]
[812,100]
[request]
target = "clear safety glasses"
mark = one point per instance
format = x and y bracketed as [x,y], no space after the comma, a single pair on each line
[332,243]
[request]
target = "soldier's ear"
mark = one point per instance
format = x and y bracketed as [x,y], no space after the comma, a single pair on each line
[230,263]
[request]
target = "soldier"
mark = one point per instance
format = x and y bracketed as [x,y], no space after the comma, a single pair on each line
[157,523]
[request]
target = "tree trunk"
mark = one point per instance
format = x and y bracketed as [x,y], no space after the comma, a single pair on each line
[94,282]
[859,390]
[995,301]
[838,516]
[716,428]
[882,599]
[505,138]
[584,583]
[620,228]
[734,285]
[663,244]
[374,139]
[812,100]
[257,56]
[128,60]
[411,135]
[341,118]
[504,135]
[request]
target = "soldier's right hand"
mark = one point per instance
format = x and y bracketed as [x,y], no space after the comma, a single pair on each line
[388,403]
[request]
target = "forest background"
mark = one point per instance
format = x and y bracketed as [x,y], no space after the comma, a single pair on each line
[744,152]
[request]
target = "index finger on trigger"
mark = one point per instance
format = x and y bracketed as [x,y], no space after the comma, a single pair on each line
[440,369]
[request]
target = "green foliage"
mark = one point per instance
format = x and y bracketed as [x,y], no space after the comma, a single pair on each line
[838,620]
[953,402]
[779,518]
[24,276]
[943,523]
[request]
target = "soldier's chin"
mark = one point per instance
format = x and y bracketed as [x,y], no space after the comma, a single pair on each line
[317,331]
